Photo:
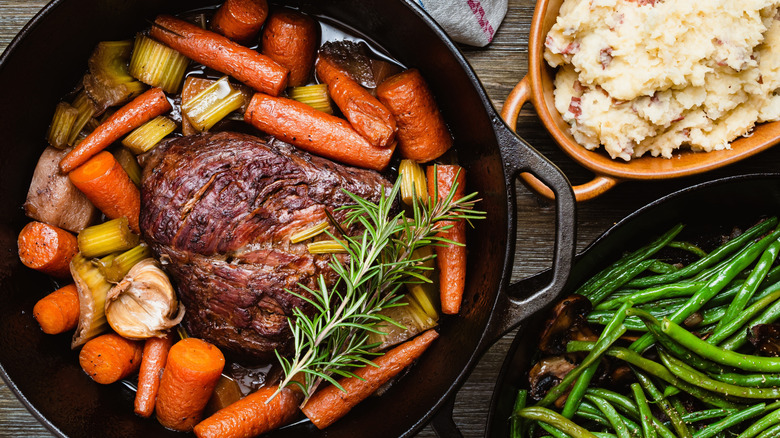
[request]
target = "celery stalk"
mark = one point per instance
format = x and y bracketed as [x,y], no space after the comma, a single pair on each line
[316,96]
[61,125]
[148,135]
[326,247]
[122,263]
[413,181]
[105,238]
[157,64]
[129,163]
[87,110]
[212,104]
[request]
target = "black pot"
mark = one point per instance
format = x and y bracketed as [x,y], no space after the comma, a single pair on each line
[707,209]
[49,56]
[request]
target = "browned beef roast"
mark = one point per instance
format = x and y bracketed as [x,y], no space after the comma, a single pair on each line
[219,209]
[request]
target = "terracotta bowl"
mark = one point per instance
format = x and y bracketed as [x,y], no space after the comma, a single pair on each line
[537,87]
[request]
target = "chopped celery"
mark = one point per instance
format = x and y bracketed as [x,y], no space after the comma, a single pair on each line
[212,104]
[411,318]
[87,109]
[121,264]
[92,288]
[146,136]
[128,162]
[308,233]
[326,247]
[316,96]
[422,293]
[413,181]
[157,64]
[109,82]
[105,238]
[61,124]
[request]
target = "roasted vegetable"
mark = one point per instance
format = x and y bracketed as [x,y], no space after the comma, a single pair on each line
[93,288]
[316,96]
[109,82]
[61,125]
[108,237]
[157,64]
[212,104]
[146,136]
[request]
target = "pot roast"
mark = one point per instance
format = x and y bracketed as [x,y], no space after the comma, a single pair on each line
[219,210]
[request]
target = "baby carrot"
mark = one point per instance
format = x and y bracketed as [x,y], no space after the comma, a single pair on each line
[152,364]
[191,372]
[46,248]
[240,20]
[110,358]
[252,415]
[290,38]
[109,188]
[330,403]
[140,110]
[215,51]
[451,258]
[365,113]
[59,311]
[314,131]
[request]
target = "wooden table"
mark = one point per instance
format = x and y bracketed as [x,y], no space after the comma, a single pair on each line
[499,66]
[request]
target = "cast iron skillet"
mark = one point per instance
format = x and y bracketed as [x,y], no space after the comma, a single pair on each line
[723,202]
[50,55]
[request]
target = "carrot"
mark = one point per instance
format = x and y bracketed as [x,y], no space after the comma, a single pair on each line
[365,113]
[240,20]
[252,415]
[422,134]
[140,110]
[330,403]
[59,311]
[47,248]
[109,358]
[152,364]
[450,258]
[190,375]
[215,51]
[106,184]
[290,39]
[314,131]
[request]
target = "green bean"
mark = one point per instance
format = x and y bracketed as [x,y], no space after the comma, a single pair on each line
[709,414]
[733,419]
[611,414]
[603,317]
[750,380]
[719,355]
[621,402]
[578,390]
[711,259]
[772,432]
[750,286]
[596,418]
[739,338]
[595,282]
[723,332]
[659,267]
[769,285]
[611,333]
[619,280]
[515,422]
[553,431]
[760,425]
[604,435]
[677,424]
[694,377]
[653,293]
[736,264]
[552,418]
[687,246]
[645,416]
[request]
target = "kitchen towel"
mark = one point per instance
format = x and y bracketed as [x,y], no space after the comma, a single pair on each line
[472,22]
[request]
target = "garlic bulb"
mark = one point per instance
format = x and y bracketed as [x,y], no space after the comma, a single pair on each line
[144,303]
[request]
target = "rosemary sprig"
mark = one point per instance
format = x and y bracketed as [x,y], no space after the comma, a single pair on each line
[335,337]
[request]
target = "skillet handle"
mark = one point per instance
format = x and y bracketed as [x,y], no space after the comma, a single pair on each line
[521,94]
[524,298]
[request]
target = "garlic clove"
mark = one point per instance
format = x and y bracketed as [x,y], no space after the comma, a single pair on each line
[144,303]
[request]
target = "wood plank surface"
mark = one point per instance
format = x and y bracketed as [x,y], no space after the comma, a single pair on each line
[499,66]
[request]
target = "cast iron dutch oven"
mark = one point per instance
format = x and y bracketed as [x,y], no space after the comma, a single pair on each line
[50,55]
[707,209]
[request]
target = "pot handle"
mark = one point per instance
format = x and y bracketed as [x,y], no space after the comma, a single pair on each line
[524,298]
[522,93]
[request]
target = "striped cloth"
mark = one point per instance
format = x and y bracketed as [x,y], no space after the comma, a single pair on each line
[472,22]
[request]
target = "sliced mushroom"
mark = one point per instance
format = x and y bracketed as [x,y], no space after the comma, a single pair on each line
[547,373]
[144,303]
[568,313]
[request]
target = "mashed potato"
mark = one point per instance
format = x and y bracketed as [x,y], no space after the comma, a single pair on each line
[651,75]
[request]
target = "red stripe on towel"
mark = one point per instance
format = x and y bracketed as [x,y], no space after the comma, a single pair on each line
[476,8]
